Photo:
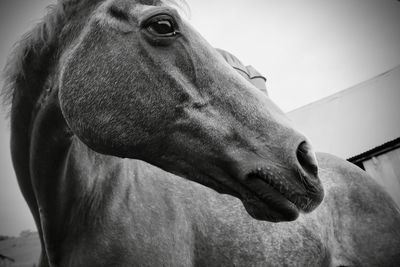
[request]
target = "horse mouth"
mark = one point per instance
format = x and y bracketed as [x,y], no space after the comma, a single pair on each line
[267,198]
[272,206]
[282,199]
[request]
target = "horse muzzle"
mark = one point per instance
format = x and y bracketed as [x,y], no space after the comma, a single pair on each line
[278,192]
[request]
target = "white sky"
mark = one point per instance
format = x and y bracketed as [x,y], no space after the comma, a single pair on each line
[307,50]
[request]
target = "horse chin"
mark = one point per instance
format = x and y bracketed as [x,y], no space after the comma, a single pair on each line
[268,205]
[274,208]
[281,210]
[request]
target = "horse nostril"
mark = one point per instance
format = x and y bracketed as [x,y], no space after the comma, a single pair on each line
[306,157]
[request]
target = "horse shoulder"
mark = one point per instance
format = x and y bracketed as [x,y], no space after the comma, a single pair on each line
[365,219]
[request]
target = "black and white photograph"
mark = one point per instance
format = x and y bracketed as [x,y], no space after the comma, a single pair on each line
[152,133]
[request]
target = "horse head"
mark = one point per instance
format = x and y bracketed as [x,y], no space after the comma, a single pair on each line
[139,82]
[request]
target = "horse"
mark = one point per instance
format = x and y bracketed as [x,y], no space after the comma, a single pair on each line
[135,143]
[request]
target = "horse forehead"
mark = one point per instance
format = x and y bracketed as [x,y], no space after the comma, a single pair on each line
[134,9]
[102,24]
[135,2]
[133,6]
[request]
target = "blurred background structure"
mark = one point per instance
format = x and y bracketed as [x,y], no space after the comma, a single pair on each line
[362,125]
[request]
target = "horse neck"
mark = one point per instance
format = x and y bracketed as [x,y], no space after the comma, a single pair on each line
[83,195]
[56,172]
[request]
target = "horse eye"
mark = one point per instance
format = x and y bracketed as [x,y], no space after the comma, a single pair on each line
[161,26]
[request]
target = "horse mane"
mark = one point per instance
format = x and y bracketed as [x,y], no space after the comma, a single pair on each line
[28,66]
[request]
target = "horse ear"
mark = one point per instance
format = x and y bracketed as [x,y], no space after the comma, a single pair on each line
[248,72]
[257,79]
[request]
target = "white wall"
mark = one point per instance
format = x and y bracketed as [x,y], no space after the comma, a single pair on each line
[354,120]
[385,169]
